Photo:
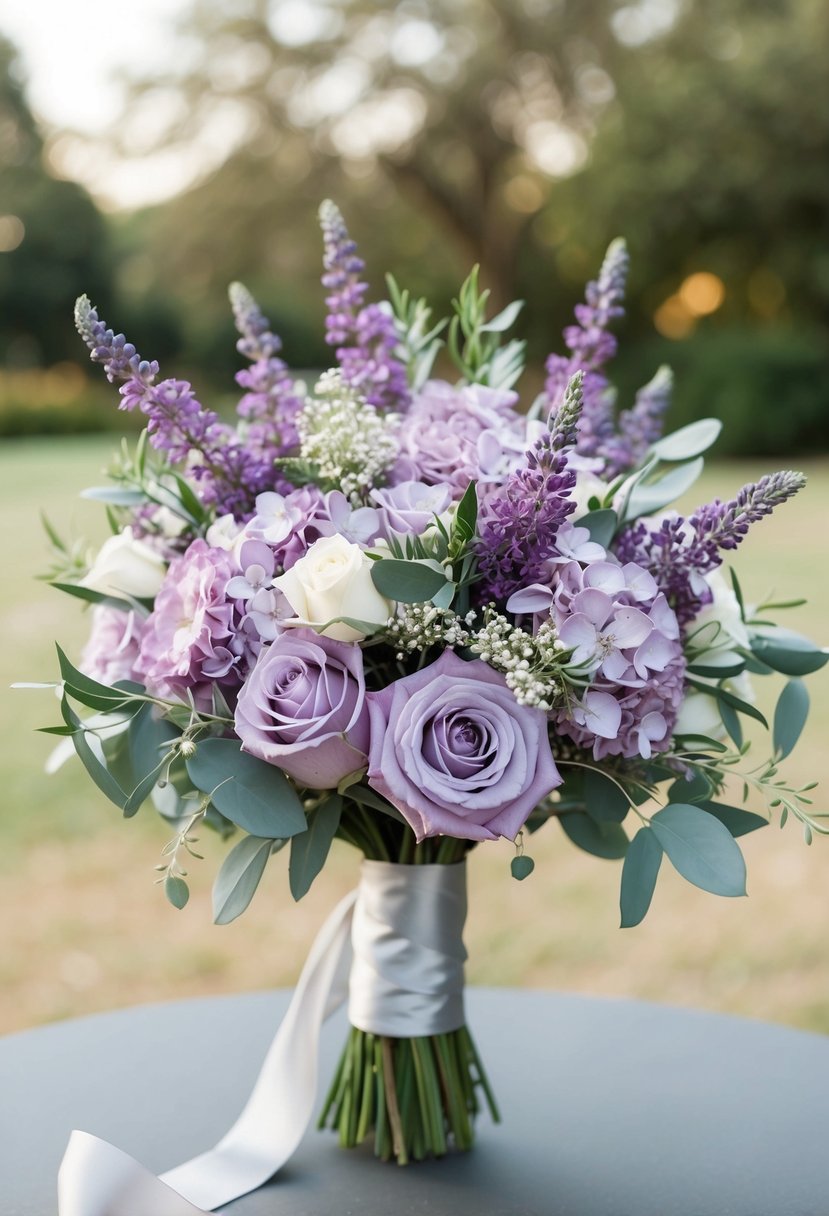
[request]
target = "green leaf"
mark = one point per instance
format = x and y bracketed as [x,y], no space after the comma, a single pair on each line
[790,716]
[116,495]
[601,839]
[788,652]
[91,693]
[604,801]
[239,877]
[363,796]
[407,582]
[699,743]
[646,499]
[701,849]
[466,516]
[176,890]
[727,698]
[718,665]
[309,849]
[521,867]
[150,740]
[738,820]
[189,500]
[695,790]
[503,320]
[444,597]
[93,597]
[639,874]
[601,525]
[254,795]
[688,441]
[731,722]
[98,771]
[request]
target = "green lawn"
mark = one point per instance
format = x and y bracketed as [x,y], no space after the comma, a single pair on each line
[84,927]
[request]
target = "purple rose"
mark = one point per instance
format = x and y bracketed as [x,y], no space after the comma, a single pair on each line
[303,708]
[411,506]
[457,755]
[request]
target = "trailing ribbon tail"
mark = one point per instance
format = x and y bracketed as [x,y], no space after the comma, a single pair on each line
[97,1179]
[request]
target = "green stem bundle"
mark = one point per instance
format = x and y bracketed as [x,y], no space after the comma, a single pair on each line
[415,1098]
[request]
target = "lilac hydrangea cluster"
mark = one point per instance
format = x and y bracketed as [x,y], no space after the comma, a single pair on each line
[626,639]
[621,443]
[364,334]
[679,552]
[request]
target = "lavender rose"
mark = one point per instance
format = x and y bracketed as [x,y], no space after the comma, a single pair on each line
[303,708]
[453,750]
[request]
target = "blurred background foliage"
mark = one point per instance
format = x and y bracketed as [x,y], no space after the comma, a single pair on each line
[522,134]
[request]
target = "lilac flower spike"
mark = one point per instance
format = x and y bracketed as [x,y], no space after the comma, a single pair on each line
[271,403]
[365,335]
[679,552]
[120,358]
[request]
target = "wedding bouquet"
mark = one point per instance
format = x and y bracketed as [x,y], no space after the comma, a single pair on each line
[394,609]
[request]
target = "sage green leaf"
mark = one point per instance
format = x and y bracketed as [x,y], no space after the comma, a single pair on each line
[239,877]
[466,515]
[521,867]
[701,849]
[309,849]
[408,582]
[695,790]
[601,525]
[718,666]
[790,716]
[604,801]
[737,819]
[645,498]
[639,874]
[731,722]
[117,496]
[254,795]
[93,597]
[691,440]
[788,652]
[176,890]
[98,771]
[92,694]
[150,740]
[728,698]
[601,839]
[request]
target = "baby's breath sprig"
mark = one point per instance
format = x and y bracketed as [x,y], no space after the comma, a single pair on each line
[421,626]
[349,443]
[532,665]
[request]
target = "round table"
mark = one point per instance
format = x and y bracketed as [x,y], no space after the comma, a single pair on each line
[610,1108]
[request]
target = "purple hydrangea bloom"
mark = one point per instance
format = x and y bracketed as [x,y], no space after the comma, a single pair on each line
[410,506]
[625,638]
[114,641]
[190,638]
[365,335]
[440,437]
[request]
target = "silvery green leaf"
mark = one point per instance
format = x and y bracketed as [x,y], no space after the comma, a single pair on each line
[701,849]
[310,848]
[239,877]
[688,441]
[601,839]
[647,497]
[504,320]
[407,582]
[254,795]
[790,716]
[639,874]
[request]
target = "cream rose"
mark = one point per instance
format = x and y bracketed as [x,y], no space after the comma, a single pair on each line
[333,579]
[126,566]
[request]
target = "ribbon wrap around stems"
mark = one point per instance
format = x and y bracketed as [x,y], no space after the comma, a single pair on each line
[406,980]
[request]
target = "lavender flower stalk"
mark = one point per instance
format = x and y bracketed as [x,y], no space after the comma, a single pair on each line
[120,358]
[365,335]
[679,552]
[641,426]
[519,521]
[271,403]
[592,345]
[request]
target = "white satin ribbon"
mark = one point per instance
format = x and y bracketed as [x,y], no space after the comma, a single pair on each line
[409,958]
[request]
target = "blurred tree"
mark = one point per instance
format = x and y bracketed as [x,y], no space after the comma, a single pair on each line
[53,240]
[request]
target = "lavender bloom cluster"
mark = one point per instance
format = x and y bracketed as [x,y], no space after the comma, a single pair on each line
[412,589]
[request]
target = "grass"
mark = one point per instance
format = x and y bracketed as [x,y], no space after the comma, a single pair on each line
[85,929]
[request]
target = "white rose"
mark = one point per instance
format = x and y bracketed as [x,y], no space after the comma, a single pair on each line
[223,533]
[126,566]
[719,625]
[333,579]
[700,715]
[587,486]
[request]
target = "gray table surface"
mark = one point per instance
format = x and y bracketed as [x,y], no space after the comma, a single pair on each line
[611,1108]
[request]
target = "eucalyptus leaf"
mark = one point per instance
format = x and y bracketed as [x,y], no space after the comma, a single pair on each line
[254,795]
[408,582]
[701,849]
[728,698]
[718,665]
[646,498]
[97,770]
[737,819]
[93,694]
[176,890]
[691,440]
[93,597]
[697,789]
[639,874]
[117,496]
[601,525]
[604,801]
[521,867]
[790,716]
[731,722]
[601,839]
[309,849]
[788,652]
[239,877]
